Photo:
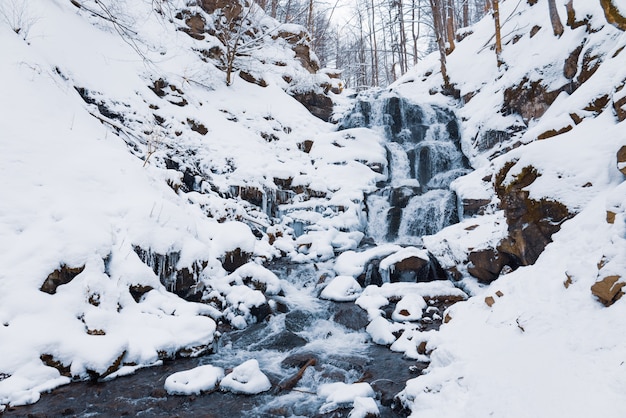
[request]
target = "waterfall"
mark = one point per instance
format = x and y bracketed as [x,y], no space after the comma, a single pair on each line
[424,156]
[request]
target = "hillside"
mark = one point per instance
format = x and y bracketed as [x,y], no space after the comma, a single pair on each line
[152,174]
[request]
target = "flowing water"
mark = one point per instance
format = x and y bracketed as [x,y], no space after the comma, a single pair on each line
[423,157]
[327,336]
[309,342]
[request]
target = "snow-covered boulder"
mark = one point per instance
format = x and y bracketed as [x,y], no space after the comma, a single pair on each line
[199,379]
[247,378]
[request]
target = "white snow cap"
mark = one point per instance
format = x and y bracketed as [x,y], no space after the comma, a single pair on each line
[247,378]
[194,381]
[342,289]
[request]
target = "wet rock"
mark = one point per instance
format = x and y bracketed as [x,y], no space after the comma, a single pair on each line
[608,290]
[283,341]
[351,316]
[415,269]
[60,276]
[371,275]
[232,260]
[261,312]
[297,320]
[298,360]
[183,282]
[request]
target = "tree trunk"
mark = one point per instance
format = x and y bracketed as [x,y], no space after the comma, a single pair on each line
[450,26]
[436,8]
[496,19]
[465,13]
[557,26]
[375,80]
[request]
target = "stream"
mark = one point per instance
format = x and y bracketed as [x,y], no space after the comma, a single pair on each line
[327,335]
[308,342]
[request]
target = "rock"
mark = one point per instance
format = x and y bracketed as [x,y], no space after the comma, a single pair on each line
[351,316]
[252,79]
[371,275]
[487,264]
[137,291]
[613,15]
[232,260]
[531,99]
[60,276]
[621,159]
[196,26]
[610,217]
[283,341]
[300,43]
[296,321]
[570,67]
[319,104]
[531,223]
[415,269]
[261,312]
[473,207]
[608,290]
[306,146]
[183,282]
[489,300]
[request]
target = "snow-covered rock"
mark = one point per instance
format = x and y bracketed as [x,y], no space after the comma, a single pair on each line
[247,378]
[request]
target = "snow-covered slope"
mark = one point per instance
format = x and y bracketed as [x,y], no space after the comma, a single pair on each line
[128,168]
[134,177]
[536,342]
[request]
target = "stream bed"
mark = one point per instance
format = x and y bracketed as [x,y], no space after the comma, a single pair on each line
[312,343]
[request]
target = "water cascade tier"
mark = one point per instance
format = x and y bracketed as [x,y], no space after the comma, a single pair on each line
[423,157]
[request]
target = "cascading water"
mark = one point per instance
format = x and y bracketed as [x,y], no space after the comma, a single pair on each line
[423,157]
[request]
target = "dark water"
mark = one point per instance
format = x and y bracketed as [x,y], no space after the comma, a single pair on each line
[329,336]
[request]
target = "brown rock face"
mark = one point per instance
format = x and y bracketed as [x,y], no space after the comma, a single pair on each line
[235,259]
[531,223]
[487,264]
[473,207]
[613,15]
[301,47]
[608,290]
[530,99]
[60,276]
[318,104]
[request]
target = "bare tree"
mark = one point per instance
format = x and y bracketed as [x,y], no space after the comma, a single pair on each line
[18,16]
[439,29]
[496,19]
[557,26]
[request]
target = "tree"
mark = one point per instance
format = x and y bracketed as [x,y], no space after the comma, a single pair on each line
[557,26]
[440,31]
[496,19]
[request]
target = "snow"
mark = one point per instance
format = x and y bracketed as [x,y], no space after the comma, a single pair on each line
[194,381]
[341,289]
[364,407]
[246,378]
[339,393]
[88,180]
